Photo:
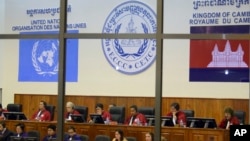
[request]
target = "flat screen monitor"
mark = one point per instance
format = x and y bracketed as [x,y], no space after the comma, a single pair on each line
[167,121]
[30,139]
[201,122]
[77,118]
[96,118]
[15,138]
[150,120]
[15,116]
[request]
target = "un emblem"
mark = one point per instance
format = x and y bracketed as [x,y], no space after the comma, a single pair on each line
[130,56]
[45,57]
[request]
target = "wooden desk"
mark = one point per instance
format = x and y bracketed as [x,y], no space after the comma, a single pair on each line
[171,133]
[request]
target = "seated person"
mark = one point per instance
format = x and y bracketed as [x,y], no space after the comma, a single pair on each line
[71,135]
[135,118]
[111,105]
[70,110]
[51,132]
[20,130]
[41,114]
[4,132]
[229,119]
[99,110]
[119,136]
[178,116]
[149,136]
[2,111]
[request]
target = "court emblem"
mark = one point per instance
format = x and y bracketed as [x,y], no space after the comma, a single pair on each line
[130,56]
[45,57]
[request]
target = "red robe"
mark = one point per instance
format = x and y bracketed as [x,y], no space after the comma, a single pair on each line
[74,112]
[233,120]
[139,116]
[180,116]
[106,115]
[44,116]
[1,113]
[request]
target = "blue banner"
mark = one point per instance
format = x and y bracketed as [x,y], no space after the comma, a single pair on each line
[38,59]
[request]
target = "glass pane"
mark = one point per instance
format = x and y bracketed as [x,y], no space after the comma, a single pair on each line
[118,16]
[106,72]
[224,84]
[21,72]
[193,65]
[39,17]
[206,17]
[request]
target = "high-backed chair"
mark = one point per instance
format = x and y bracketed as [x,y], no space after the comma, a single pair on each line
[117,113]
[131,138]
[188,113]
[147,111]
[34,133]
[84,137]
[83,110]
[102,138]
[240,115]
[51,109]
[14,107]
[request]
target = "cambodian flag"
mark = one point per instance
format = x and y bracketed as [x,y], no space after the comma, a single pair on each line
[38,59]
[219,60]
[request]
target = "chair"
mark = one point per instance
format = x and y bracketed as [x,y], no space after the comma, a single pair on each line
[34,133]
[83,110]
[189,113]
[131,138]
[147,111]
[84,137]
[102,138]
[117,113]
[14,107]
[240,115]
[51,109]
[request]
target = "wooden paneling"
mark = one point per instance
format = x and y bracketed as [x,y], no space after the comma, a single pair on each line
[171,133]
[203,107]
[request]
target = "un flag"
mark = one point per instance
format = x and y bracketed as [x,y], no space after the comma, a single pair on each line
[38,59]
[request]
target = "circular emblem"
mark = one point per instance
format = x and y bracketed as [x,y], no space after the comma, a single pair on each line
[130,56]
[45,57]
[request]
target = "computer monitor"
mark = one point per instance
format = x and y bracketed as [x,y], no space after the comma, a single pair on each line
[77,118]
[30,139]
[150,120]
[52,139]
[167,121]
[15,138]
[96,118]
[15,116]
[201,122]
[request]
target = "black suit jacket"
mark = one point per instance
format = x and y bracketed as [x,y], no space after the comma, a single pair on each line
[6,135]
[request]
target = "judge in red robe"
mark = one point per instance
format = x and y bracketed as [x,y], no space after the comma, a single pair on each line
[229,119]
[178,117]
[41,114]
[135,118]
[70,110]
[99,109]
